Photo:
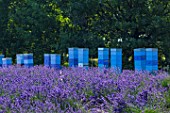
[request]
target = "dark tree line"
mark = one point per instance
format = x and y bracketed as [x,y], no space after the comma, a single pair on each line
[51,26]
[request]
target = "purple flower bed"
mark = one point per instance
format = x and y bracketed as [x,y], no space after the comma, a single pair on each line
[43,90]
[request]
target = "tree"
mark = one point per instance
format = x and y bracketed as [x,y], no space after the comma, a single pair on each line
[35,27]
[4,41]
[141,23]
[54,25]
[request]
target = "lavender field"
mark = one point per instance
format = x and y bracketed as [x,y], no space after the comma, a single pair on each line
[78,90]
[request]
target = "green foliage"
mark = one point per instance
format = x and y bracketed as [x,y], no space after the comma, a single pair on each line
[166,82]
[167,99]
[66,64]
[89,93]
[150,111]
[93,62]
[132,110]
[52,26]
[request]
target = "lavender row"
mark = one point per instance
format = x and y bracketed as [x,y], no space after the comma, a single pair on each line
[78,90]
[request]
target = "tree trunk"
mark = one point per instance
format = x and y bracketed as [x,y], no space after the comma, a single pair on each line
[4,51]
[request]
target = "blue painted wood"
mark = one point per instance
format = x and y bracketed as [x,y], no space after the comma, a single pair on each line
[28,60]
[140,59]
[103,57]
[56,61]
[116,59]
[6,62]
[47,60]
[73,57]
[83,57]
[151,59]
[20,59]
[1,56]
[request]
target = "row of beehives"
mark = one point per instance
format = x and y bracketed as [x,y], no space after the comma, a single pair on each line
[144,59]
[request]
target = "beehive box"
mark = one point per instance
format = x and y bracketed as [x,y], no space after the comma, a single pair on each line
[56,61]
[20,59]
[28,60]
[83,57]
[73,57]
[151,59]
[1,56]
[103,57]
[6,62]
[47,60]
[116,58]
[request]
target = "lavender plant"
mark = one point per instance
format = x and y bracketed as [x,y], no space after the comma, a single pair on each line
[43,90]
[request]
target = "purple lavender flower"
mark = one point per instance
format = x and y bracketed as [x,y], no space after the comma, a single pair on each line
[41,89]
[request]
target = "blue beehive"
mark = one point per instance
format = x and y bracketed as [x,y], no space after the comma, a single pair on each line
[151,59]
[83,57]
[1,56]
[103,57]
[47,60]
[56,61]
[28,60]
[20,59]
[73,57]
[6,62]
[116,59]
[140,59]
